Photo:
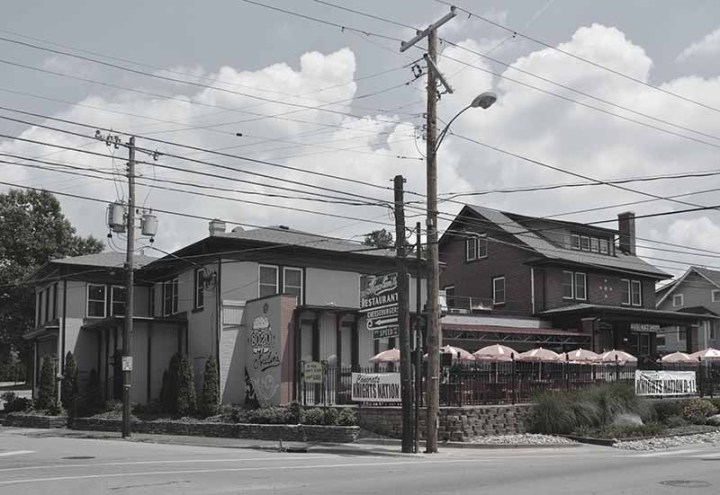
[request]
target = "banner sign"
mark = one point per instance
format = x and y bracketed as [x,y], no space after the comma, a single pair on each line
[665,383]
[376,387]
[313,372]
[644,327]
[379,302]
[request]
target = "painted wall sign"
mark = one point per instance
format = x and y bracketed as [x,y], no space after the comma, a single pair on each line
[376,387]
[127,363]
[644,327]
[264,345]
[313,372]
[379,302]
[665,383]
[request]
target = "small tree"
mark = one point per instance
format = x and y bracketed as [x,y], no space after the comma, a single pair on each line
[46,392]
[379,238]
[69,384]
[185,396]
[210,398]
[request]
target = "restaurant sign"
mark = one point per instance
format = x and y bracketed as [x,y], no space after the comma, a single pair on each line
[644,327]
[376,387]
[665,383]
[379,303]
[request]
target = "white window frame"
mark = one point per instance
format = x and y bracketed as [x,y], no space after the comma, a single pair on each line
[572,284]
[638,284]
[495,291]
[626,283]
[448,298]
[575,286]
[604,246]
[199,288]
[575,241]
[87,301]
[471,248]
[302,279]
[682,331]
[594,245]
[112,298]
[715,295]
[678,297]
[277,279]
[173,284]
[584,238]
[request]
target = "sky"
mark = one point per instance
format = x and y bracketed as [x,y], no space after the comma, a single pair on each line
[614,90]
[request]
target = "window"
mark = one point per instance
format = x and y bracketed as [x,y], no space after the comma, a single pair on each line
[170,297]
[625,291]
[677,301]
[681,334]
[568,292]
[47,305]
[660,339]
[574,241]
[450,296]
[476,247]
[118,298]
[498,284]
[580,286]
[55,299]
[711,330]
[268,281]
[604,246]
[292,282]
[199,288]
[96,301]
[151,301]
[636,293]
[585,243]
[715,296]
[38,307]
[594,244]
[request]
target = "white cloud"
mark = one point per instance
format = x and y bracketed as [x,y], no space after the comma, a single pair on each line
[708,46]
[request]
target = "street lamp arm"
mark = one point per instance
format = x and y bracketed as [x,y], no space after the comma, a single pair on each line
[447,127]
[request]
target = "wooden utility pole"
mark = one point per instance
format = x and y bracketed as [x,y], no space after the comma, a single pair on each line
[434,337]
[406,389]
[129,292]
[418,334]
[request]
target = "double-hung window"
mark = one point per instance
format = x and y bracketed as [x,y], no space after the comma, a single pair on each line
[267,280]
[580,286]
[118,296]
[715,295]
[293,282]
[450,296]
[631,292]
[96,301]
[170,297]
[476,247]
[568,286]
[498,286]
[574,285]
[677,301]
[199,288]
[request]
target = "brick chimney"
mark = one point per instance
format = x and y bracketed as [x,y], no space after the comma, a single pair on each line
[217,227]
[626,230]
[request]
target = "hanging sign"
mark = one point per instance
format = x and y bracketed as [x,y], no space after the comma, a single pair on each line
[665,383]
[379,303]
[376,387]
[313,372]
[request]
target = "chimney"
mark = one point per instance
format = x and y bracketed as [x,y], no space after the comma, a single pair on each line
[216,227]
[626,229]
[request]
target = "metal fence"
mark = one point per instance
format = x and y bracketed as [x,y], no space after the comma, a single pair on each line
[500,383]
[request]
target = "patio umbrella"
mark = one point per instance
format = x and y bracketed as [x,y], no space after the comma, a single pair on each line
[495,352]
[539,355]
[389,356]
[579,356]
[678,358]
[615,356]
[458,353]
[709,354]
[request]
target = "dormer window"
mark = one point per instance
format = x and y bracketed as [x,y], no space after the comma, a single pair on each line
[476,247]
[590,244]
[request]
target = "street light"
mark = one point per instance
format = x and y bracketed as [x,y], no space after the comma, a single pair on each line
[434,341]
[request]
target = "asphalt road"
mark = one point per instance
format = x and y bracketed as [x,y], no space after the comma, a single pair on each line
[34,463]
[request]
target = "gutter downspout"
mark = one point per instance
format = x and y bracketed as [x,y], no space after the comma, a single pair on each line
[218,310]
[63,327]
[532,288]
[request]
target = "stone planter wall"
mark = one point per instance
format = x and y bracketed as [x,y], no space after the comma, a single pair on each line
[291,433]
[457,424]
[34,421]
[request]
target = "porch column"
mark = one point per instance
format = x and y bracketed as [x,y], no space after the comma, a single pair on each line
[689,339]
[354,344]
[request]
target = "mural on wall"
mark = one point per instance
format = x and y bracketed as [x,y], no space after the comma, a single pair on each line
[265,350]
[251,400]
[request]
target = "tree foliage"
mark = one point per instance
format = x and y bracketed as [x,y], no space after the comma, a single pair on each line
[379,238]
[69,388]
[185,399]
[34,232]
[46,388]
[210,397]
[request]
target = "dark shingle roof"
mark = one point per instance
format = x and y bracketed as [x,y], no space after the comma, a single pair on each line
[620,261]
[283,235]
[712,275]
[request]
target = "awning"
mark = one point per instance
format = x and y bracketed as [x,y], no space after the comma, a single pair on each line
[493,333]
[626,314]
[119,320]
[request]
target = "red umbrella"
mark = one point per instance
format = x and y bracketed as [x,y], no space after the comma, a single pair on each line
[678,358]
[614,356]
[709,354]
[539,355]
[579,356]
[389,356]
[495,352]
[457,353]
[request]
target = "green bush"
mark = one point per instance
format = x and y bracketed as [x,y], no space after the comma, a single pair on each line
[210,397]
[263,416]
[295,412]
[697,410]
[552,414]
[665,409]
[347,417]
[314,416]
[674,421]
[185,398]
[47,396]
[69,389]
[330,416]
[13,403]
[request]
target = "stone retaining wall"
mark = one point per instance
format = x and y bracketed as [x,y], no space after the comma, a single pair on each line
[291,433]
[457,424]
[34,421]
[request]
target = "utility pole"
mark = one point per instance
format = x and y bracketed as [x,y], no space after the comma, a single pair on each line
[129,282]
[418,335]
[434,337]
[406,390]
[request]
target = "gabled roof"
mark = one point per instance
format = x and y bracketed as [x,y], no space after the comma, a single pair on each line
[109,260]
[540,245]
[712,276]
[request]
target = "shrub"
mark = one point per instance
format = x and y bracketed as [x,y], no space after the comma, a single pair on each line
[674,421]
[552,413]
[185,398]
[263,416]
[697,410]
[347,417]
[665,409]
[210,397]
[113,406]
[330,416]
[315,416]
[46,390]
[295,412]
[165,393]
[69,389]
[13,403]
